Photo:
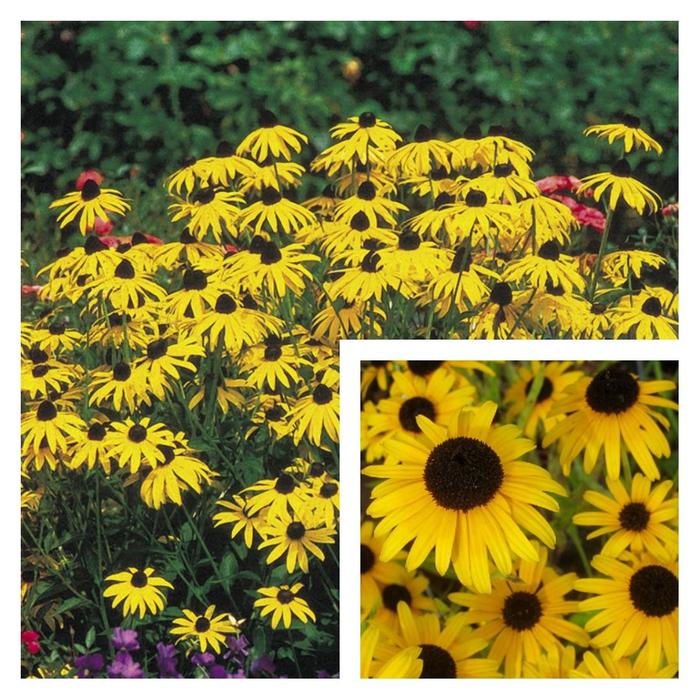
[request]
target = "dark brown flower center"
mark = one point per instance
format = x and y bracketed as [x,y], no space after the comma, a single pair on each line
[503,170]
[634,516]
[46,411]
[367,191]
[139,579]
[39,371]
[328,490]
[622,168]
[462,473]
[367,559]
[225,304]
[284,484]
[270,253]
[424,367]
[393,594]
[90,190]
[549,251]
[411,409]
[359,221]
[322,394]
[423,134]
[202,625]
[194,280]
[654,590]
[96,432]
[612,390]
[267,119]
[295,530]
[156,349]
[367,120]
[137,433]
[522,610]
[125,270]
[270,196]
[475,198]
[501,294]
[652,307]
[631,121]
[437,663]
[285,596]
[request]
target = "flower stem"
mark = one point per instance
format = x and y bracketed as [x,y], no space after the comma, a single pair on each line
[601,252]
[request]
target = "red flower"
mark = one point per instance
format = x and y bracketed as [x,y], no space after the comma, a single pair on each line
[473,26]
[555,183]
[102,227]
[29,289]
[31,641]
[587,216]
[670,210]
[86,175]
[228,248]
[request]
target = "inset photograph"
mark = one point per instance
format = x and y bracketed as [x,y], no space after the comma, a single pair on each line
[520,519]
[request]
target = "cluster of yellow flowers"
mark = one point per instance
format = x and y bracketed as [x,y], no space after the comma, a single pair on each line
[454,521]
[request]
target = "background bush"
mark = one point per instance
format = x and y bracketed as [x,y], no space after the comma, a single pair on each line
[136,98]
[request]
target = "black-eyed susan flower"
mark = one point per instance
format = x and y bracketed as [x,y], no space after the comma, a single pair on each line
[121,385]
[221,169]
[504,183]
[323,497]
[272,413]
[620,265]
[284,603]
[602,664]
[379,210]
[614,411]
[636,605]
[374,573]
[231,325]
[211,209]
[126,286]
[186,177]
[279,495]
[496,143]
[186,249]
[621,185]
[408,587]
[464,492]
[550,265]
[194,297]
[207,630]
[475,218]
[524,616]
[272,268]
[360,134]
[46,424]
[236,513]
[38,380]
[92,450]
[134,443]
[276,212]
[165,359]
[90,201]
[271,138]
[459,284]
[316,413]
[555,377]
[420,156]
[346,319]
[273,364]
[549,220]
[554,662]
[175,473]
[636,519]
[423,648]
[139,590]
[295,535]
[644,317]
[57,336]
[501,315]
[628,129]
[438,396]
[275,174]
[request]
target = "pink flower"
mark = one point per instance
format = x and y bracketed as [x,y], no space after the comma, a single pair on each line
[86,175]
[555,183]
[473,26]
[29,289]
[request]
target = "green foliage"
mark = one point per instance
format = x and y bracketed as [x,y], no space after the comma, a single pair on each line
[135,97]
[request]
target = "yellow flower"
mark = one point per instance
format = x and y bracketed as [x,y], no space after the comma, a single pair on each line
[139,590]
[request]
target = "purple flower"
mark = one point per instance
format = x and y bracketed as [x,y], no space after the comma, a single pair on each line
[238,648]
[124,666]
[263,664]
[125,640]
[205,659]
[218,671]
[166,659]
[89,664]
